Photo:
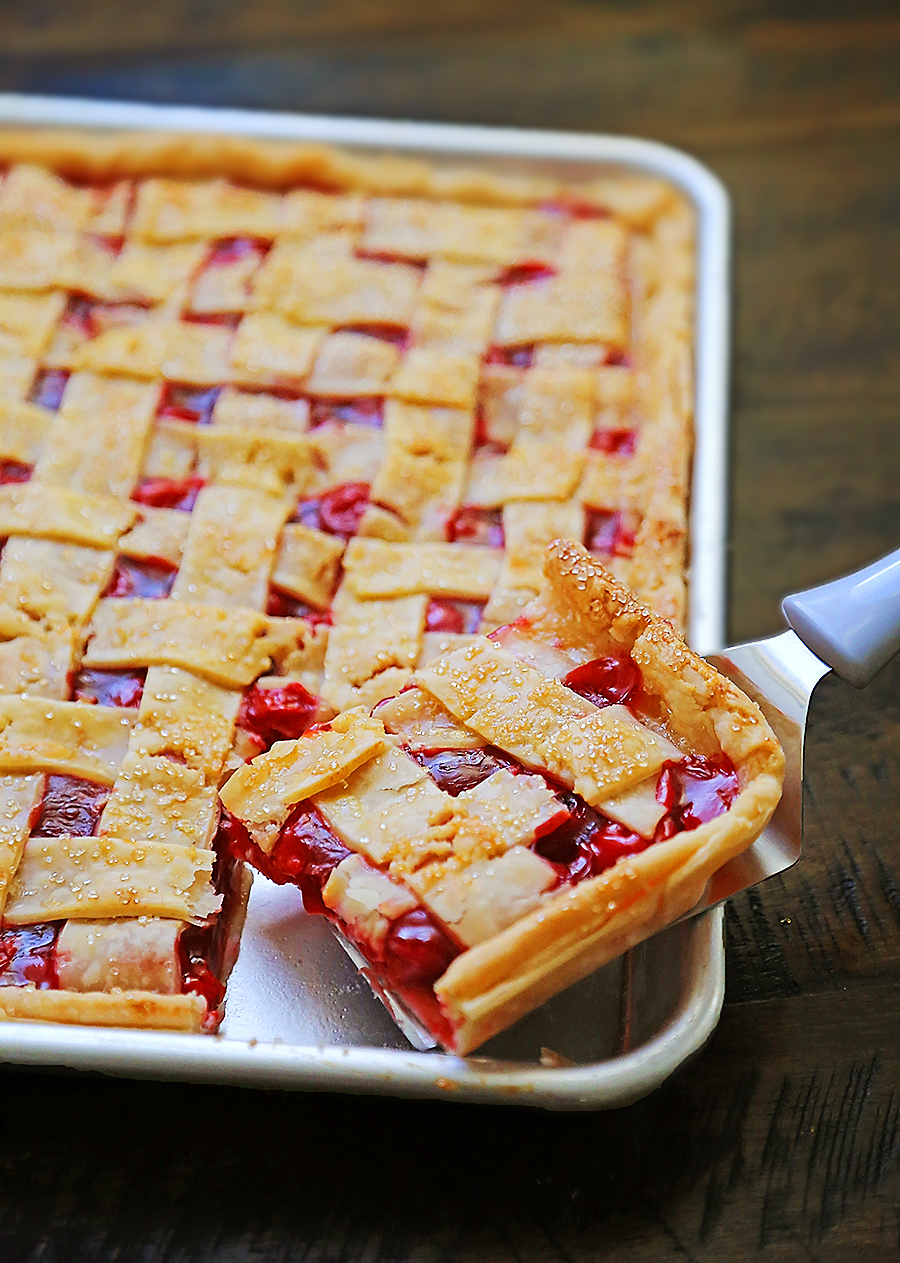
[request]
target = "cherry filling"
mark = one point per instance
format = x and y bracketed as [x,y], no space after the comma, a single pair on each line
[458,770]
[605,681]
[48,388]
[697,790]
[71,808]
[524,273]
[587,843]
[189,403]
[483,439]
[614,442]
[89,319]
[14,471]
[416,950]
[222,320]
[232,249]
[415,953]
[362,411]
[277,714]
[511,356]
[575,207]
[460,617]
[579,841]
[79,315]
[204,950]
[471,524]
[281,605]
[303,856]
[169,493]
[609,533]
[110,688]
[28,956]
[149,579]
[384,332]
[339,511]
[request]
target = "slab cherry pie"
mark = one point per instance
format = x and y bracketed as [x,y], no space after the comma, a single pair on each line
[279,428]
[533,803]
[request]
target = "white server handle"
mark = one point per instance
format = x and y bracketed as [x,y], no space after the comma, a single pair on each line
[852,624]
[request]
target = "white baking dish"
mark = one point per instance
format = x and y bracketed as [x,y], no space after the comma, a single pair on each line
[297,1014]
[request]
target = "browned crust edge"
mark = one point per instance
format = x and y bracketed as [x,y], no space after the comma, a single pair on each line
[112,154]
[144,1009]
[490,986]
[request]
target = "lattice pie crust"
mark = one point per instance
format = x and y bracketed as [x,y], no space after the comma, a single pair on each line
[497,866]
[274,418]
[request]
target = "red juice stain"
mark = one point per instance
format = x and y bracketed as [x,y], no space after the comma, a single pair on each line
[79,315]
[576,207]
[232,249]
[281,605]
[71,807]
[396,334]
[221,320]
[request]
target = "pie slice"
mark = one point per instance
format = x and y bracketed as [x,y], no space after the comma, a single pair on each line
[532,804]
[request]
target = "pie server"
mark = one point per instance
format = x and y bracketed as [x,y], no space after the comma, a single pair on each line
[850,626]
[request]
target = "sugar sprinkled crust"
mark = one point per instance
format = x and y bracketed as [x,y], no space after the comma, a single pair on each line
[468,856]
[580,929]
[143,274]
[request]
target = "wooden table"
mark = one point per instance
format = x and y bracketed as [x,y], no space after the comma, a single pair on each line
[783,1139]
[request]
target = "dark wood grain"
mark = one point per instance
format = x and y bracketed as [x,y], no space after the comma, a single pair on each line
[782,1140]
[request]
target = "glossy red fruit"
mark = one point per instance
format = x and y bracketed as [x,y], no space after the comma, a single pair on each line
[277,714]
[169,493]
[605,681]
[417,950]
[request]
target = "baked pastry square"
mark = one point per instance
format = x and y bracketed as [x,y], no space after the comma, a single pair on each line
[534,803]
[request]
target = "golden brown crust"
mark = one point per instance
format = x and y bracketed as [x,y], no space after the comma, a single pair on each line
[661,269]
[583,927]
[103,1008]
[113,155]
